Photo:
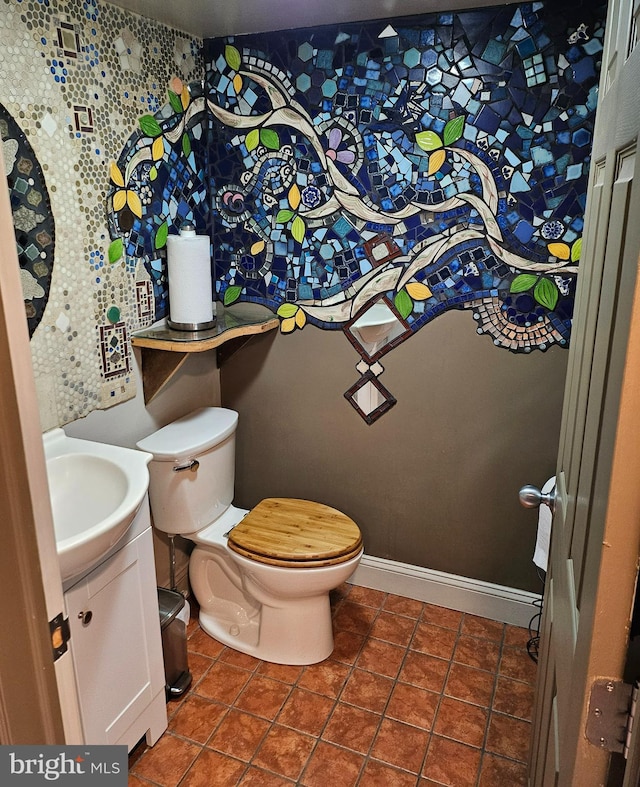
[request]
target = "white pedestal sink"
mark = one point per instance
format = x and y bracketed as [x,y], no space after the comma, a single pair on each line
[96,490]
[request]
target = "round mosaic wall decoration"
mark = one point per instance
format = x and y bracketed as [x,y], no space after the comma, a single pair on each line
[32,217]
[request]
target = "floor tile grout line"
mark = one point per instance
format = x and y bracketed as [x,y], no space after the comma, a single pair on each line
[351,667]
[485,739]
[442,695]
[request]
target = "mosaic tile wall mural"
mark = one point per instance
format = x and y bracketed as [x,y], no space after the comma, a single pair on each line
[370,177]
[76,77]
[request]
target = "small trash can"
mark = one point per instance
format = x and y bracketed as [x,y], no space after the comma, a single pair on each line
[174,642]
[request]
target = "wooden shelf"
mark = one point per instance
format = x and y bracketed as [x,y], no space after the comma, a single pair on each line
[164,350]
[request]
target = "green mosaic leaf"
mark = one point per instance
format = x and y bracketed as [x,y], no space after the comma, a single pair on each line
[546,293]
[232,56]
[284,215]
[428,140]
[270,138]
[231,294]
[161,236]
[174,100]
[149,126]
[153,173]
[116,250]
[453,130]
[186,145]
[287,310]
[523,282]
[253,140]
[576,250]
[298,229]
[403,304]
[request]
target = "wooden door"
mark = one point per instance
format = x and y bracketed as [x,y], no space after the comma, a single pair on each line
[596,528]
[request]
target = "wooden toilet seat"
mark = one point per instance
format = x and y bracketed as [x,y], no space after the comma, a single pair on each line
[284,531]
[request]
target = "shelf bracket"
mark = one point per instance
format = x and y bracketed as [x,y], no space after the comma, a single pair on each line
[231,347]
[158,367]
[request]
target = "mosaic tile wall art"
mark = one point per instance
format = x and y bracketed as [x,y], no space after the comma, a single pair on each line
[76,77]
[160,183]
[419,165]
[32,217]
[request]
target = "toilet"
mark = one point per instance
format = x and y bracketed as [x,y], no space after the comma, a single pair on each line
[261,577]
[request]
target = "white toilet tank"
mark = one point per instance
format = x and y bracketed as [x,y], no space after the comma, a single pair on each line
[191,475]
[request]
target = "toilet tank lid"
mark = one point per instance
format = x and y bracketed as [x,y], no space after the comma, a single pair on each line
[192,434]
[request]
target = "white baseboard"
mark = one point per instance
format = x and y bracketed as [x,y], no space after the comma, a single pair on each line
[497,602]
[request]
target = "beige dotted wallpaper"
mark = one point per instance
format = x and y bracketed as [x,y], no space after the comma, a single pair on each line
[75,77]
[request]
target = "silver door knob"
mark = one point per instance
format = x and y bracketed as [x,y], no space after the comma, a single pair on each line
[531,497]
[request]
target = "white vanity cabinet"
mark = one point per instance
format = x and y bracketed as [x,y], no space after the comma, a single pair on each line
[116,644]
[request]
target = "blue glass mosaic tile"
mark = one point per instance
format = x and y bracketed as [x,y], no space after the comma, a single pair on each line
[159,183]
[446,133]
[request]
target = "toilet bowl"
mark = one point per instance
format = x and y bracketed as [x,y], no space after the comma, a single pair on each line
[261,577]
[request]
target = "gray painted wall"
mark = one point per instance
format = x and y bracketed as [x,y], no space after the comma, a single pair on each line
[435,481]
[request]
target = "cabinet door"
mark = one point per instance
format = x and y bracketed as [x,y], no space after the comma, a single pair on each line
[115,641]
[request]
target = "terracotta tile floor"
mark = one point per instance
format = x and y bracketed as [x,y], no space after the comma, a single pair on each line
[413,694]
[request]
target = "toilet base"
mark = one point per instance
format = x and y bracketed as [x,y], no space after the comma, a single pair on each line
[296,633]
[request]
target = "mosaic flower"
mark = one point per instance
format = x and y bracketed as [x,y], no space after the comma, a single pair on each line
[126,203]
[552,230]
[183,56]
[233,201]
[311,196]
[334,151]
[179,96]
[433,144]
[129,51]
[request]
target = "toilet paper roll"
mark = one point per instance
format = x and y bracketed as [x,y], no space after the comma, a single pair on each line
[190,288]
[543,538]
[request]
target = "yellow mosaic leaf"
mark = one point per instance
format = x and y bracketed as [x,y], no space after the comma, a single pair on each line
[119,200]
[257,247]
[157,149]
[115,174]
[185,97]
[436,160]
[294,196]
[237,83]
[300,318]
[418,291]
[559,250]
[288,325]
[133,201]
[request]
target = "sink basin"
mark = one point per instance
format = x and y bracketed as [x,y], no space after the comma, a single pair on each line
[375,324]
[96,490]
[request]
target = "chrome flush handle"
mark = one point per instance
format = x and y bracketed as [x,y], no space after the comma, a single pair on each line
[193,465]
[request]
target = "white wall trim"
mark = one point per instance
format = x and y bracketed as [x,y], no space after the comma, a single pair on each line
[497,602]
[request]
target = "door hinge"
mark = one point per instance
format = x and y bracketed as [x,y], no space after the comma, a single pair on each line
[60,635]
[612,707]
